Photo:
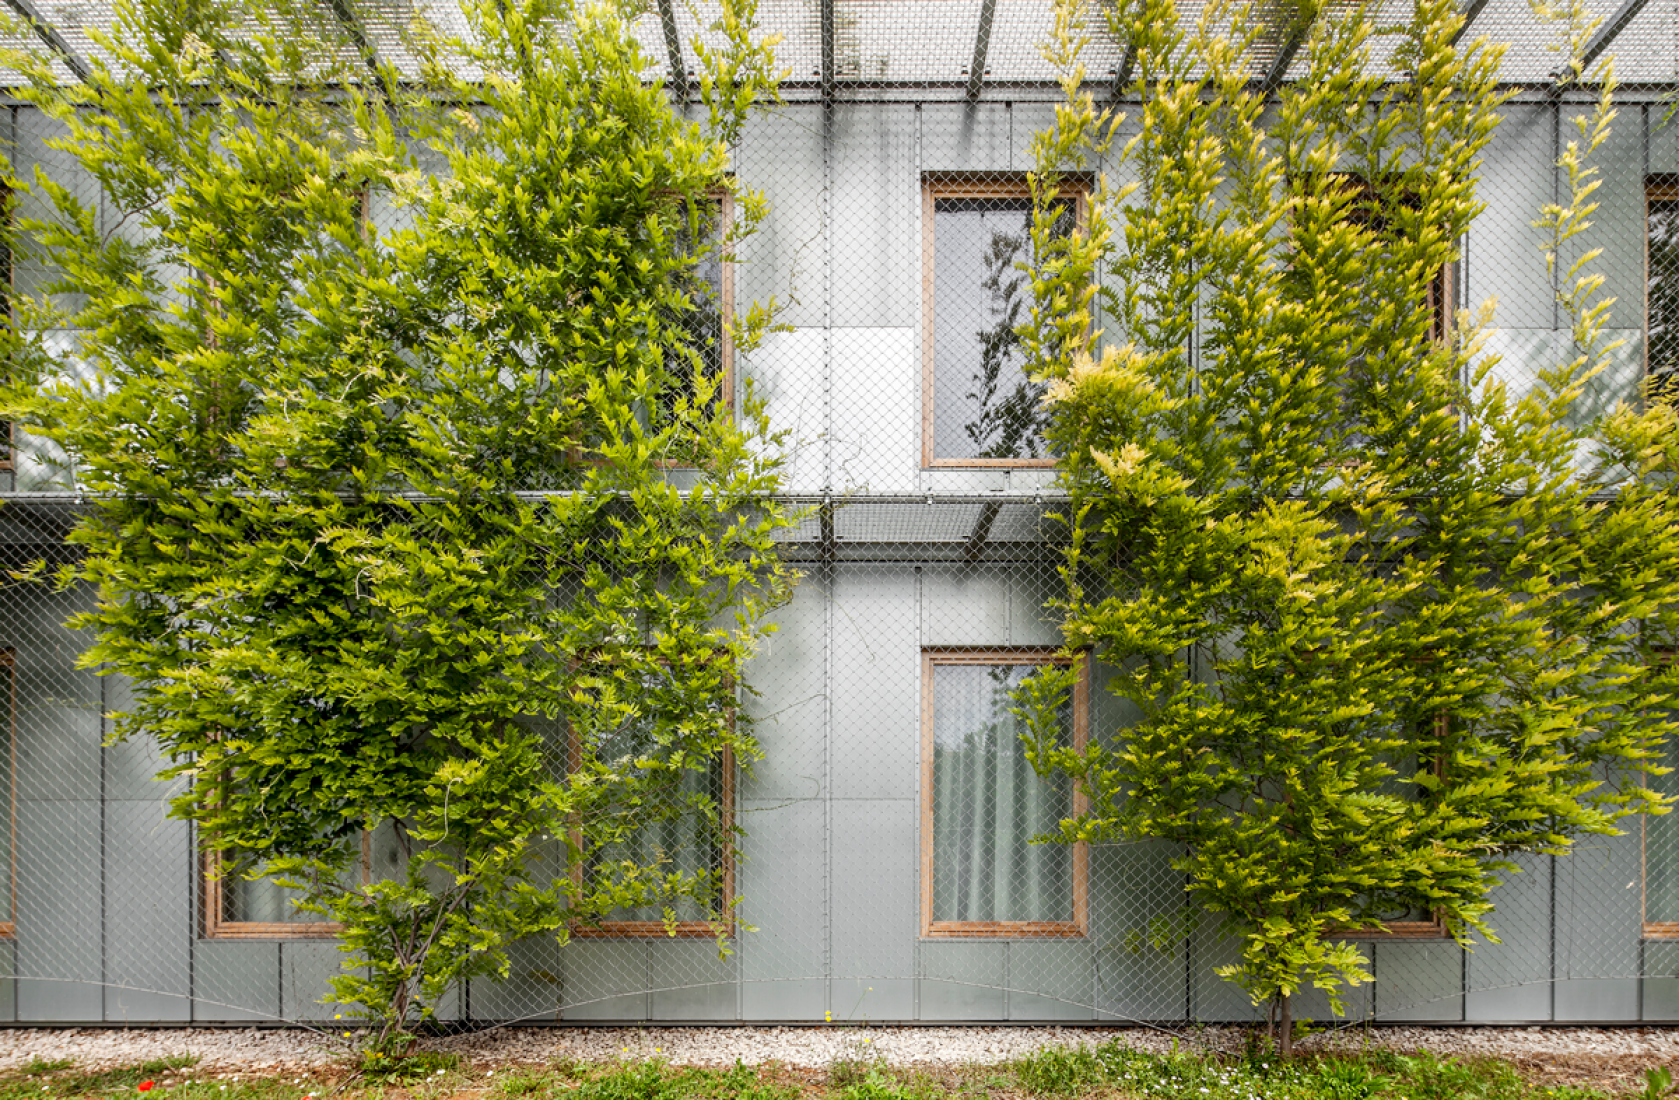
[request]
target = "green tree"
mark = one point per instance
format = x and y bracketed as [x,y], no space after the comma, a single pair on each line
[384,517]
[1383,621]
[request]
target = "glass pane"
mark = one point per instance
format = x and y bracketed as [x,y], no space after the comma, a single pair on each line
[1661,847]
[703,325]
[263,902]
[984,406]
[1663,289]
[988,803]
[678,839]
[677,836]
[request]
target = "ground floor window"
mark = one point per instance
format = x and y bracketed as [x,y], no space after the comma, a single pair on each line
[982,803]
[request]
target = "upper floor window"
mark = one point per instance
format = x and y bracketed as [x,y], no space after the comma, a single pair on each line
[978,406]
[1661,284]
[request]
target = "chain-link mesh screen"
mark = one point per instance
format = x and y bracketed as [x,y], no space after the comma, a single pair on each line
[882,867]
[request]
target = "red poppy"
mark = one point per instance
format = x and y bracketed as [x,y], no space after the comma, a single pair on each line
[145,1086]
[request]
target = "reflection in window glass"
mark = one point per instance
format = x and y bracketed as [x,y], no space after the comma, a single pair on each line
[1663,294]
[685,823]
[988,804]
[984,406]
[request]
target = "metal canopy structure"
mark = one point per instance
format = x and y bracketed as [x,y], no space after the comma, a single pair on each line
[971,48]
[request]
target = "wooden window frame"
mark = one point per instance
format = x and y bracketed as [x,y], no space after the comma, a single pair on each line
[1079,926]
[935,186]
[214,927]
[658,929]
[8,661]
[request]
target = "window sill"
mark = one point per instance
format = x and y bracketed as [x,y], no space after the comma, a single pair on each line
[1015,930]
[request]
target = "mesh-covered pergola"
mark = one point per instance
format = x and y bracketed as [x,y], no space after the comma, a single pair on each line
[927,564]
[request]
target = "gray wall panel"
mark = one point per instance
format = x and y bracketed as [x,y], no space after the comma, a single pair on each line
[305,966]
[1597,999]
[783,887]
[967,138]
[59,903]
[875,905]
[788,714]
[8,984]
[963,606]
[1510,980]
[605,980]
[1659,993]
[877,685]
[532,988]
[1418,981]
[1506,260]
[690,982]
[1138,930]
[1052,980]
[963,979]
[236,980]
[780,154]
[877,244]
[876,397]
[148,913]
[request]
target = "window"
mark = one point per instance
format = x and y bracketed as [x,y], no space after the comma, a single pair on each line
[1661,285]
[687,826]
[978,408]
[981,803]
[1407,922]
[236,907]
[710,284]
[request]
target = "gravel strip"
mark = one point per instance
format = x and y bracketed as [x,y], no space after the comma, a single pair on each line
[266,1051]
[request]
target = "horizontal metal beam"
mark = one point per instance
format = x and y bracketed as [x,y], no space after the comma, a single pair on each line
[43,28]
[1606,34]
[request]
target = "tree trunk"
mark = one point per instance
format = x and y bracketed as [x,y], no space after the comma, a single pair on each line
[1286,1027]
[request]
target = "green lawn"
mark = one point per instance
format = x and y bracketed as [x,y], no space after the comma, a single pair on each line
[1106,1072]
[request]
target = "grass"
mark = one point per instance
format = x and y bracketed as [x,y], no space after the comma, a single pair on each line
[1105,1072]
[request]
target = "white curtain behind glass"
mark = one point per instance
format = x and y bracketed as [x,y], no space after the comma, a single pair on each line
[988,803]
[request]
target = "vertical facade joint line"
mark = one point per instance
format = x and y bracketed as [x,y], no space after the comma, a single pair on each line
[828,32]
[982,46]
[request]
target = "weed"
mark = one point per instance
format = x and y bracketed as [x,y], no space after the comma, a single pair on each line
[168,1063]
[1658,1083]
[38,1065]
[523,1084]
[391,1068]
[1059,1071]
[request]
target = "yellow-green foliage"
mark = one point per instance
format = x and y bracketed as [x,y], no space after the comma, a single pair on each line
[1382,623]
[382,516]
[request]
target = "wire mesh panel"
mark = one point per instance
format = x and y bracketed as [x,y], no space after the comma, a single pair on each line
[875,862]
